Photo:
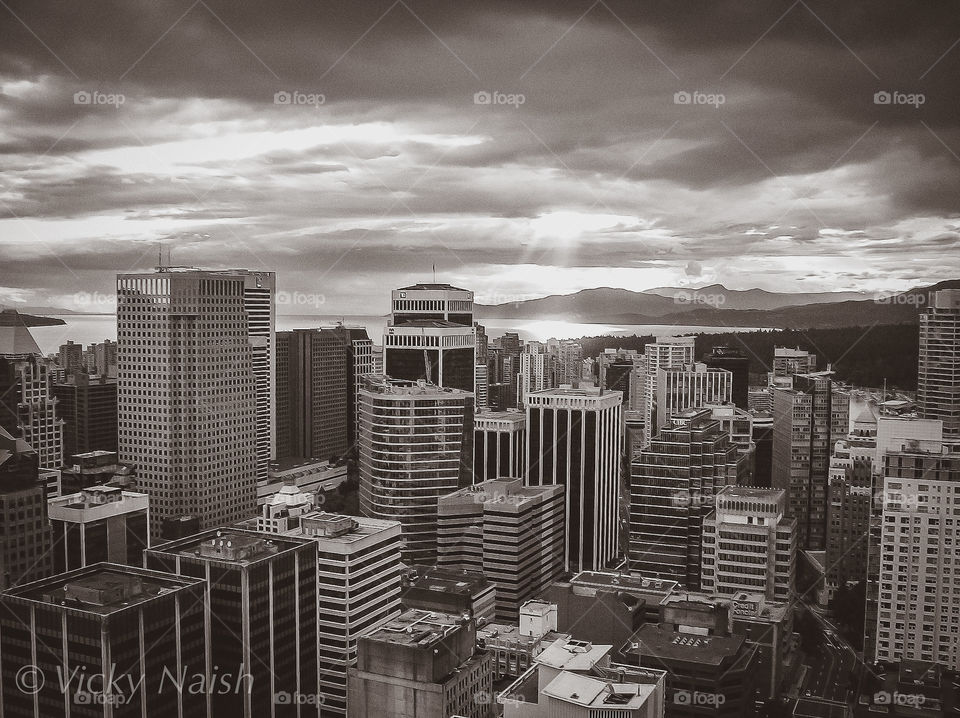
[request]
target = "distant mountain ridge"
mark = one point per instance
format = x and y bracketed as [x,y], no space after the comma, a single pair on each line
[715,305]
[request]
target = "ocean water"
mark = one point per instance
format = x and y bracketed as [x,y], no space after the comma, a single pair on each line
[91,328]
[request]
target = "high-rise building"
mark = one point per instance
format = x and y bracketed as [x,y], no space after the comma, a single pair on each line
[103,358]
[25,538]
[665,353]
[481,382]
[749,545]
[512,534]
[188,406]
[416,445]
[359,348]
[145,631]
[807,421]
[431,336]
[919,582]
[499,439]
[569,363]
[576,679]
[787,362]
[28,408]
[313,393]
[421,663]
[849,506]
[262,603]
[99,524]
[259,306]
[574,438]
[454,591]
[70,358]
[536,372]
[88,407]
[738,364]
[359,589]
[673,481]
[938,376]
[689,387]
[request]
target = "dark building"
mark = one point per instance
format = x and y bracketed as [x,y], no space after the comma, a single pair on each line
[95,468]
[430,588]
[144,629]
[617,378]
[737,363]
[314,382]
[99,524]
[88,407]
[24,531]
[263,599]
[762,433]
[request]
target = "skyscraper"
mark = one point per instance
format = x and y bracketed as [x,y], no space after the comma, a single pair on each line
[499,441]
[70,357]
[849,505]
[28,408]
[938,376]
[259,305]
[919,584]
[665,353]
[574,438]
[749,545]
[359,362]
[431,336]
[512,534]
[99,524]
[787,362]
[262,606]
[416,445]
[25,538]
[807,420]
[110,641]
[738,364]
[314,381]
[188,405]
[673,481]
[537,371]
[88,407]
[689,387]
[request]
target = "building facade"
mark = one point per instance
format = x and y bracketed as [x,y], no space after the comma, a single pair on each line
[499,439]
[938,376]
[88,407]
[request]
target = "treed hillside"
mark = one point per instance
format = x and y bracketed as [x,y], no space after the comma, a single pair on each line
[860,355]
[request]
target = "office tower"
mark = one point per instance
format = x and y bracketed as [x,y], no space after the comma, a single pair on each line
[673,482]
[760,399]
[103,358]
[70,358]
[665,353]
[416,445]
[420,664]
[262,606]
[359,348]
[737,423]
[28,409]
[510,347]
[453,591]
[313,393]
[99,524]
[569,363]
[431,336]
[688,387]
[483,344]
[188,395]
[738,364]
[282,511]
[498,444]
[144,630]
[513,534]
[762,435]
[87,406]
[259,305]
[574,439]
[787,362]
[575,679]
[481,382]
[359,588]
[919,584]
[808,419]
[849,505]
[749,545]
[25,538]
[536,372]
[938,376]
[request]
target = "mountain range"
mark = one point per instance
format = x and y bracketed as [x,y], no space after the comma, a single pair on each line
[715,305]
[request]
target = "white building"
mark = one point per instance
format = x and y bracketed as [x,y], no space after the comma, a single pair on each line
[938,371]
[665,353]
[690,387]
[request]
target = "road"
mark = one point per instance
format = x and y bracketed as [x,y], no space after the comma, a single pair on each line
[830,664]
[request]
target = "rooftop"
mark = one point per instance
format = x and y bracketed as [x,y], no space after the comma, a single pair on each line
[437,286]
[414,627]
[429,324]
[236,546]
[663,643]
[750,492]
[101,588]
[598,694]
[431,578]
[569,655]
[15,337]
[623,582]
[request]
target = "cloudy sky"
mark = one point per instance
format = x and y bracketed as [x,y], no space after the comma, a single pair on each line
[345,145]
